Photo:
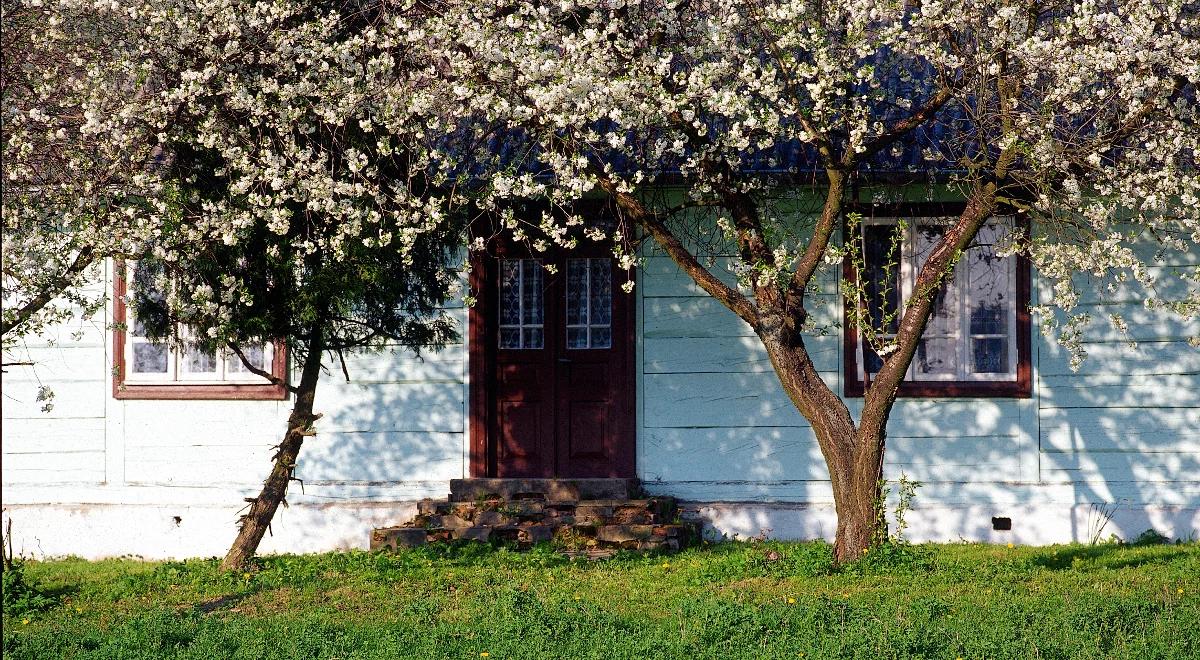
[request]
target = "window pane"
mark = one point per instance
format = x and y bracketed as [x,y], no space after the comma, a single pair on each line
[577,338]
[577,295]
[943,320]
[602,337]
[510,338]
[196,361]
[255,354]
[937,357]
[989,355]
[149,358]
[510,292]
[531,293]
[989,285]
[600,303]
[881,253]
[532,338]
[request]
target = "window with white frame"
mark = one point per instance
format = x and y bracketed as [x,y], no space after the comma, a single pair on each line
[148,362]
[971,336]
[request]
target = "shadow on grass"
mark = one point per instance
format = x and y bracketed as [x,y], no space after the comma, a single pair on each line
[1102,557]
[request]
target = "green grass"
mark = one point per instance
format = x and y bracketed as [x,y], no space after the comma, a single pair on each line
[728,600]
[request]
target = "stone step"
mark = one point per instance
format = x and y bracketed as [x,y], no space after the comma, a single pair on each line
[434,513]
[589,516]
[548,490]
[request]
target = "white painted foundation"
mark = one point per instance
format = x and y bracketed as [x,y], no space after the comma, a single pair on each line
[153,531]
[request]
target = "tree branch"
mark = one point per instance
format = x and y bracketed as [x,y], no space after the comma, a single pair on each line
[675,249]
[86,257]
[275,380]
[901,127]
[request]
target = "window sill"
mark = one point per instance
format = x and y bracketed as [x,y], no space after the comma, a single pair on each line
[243,392]
[964,390]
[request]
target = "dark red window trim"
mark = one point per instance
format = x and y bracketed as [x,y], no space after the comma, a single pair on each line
[223,391]
[1020,388]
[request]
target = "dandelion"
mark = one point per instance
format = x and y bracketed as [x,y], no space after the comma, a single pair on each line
[791,601]
[1179,591]
[666,565]
[1010,545]
[245,576]
[24,622]
[484,654]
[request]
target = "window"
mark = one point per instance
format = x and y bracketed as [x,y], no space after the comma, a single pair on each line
[522,309]
[589,303]
[976,342]
[144,369]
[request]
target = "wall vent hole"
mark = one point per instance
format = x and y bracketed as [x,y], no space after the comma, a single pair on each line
[1002,524]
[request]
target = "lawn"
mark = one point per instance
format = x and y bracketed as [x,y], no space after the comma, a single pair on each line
[729,600]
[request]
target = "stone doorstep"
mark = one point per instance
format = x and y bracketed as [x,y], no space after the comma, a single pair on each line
[397,537]
[466,490]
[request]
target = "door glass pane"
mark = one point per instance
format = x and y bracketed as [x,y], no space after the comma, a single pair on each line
[600,296]
[577,298]
[510,292]
[577,337]
[521,303]
[589,303]
[531,292]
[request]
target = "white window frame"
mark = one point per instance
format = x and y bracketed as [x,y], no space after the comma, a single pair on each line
[175,374]
[908,271]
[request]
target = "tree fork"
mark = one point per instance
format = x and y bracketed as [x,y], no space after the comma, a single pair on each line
[257,520]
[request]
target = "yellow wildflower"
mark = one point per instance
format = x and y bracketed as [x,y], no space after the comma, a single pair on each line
[791,601]
[24,622]
[1010,544]
[484,654]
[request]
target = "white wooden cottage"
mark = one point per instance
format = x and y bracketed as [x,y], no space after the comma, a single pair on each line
[150,453]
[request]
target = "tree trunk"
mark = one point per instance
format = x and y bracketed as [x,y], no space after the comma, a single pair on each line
[859,504]
[854,457]
[256,521]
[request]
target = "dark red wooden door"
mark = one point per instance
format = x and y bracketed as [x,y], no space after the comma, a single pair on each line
[552,367]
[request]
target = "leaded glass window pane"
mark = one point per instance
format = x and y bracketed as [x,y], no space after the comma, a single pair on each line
[589,303]
[522,308]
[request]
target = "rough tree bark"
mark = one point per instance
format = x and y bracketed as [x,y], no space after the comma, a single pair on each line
[256,521]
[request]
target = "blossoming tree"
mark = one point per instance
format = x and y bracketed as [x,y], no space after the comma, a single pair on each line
[77,168]
[293,201]
[1081,115]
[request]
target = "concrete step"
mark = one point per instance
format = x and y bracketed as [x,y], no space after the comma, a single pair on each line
[547,490]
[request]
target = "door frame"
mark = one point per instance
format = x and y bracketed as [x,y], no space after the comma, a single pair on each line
[483,319]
